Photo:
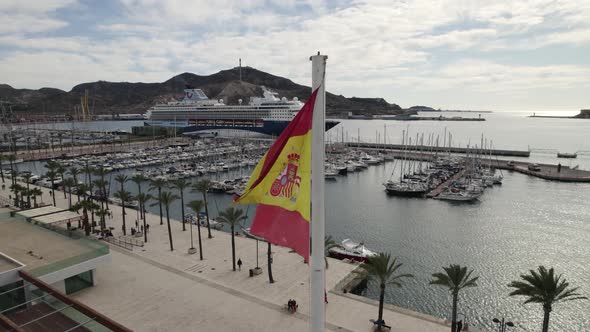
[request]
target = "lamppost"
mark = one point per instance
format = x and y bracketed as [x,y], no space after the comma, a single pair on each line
[502,325]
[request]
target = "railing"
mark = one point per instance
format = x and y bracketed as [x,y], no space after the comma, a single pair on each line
[119,243]
[124,242]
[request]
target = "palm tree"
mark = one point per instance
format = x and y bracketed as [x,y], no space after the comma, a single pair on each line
[61,170]
[181,185]
[544,287]
[166,198]
[158,183]
[88,170]
[101,185]
[16,189]
[139,179]
[143,198]
[27,177]
[102,213]
[74,172]
[122,179]
[124,196]
[232,217]
[455,278]
[382,269]
[68,184]
[12,158]
[329,243]
[202,187]
[82,189]
[52,176]
[34,193]
[85,206]
[102,172]
[196,206]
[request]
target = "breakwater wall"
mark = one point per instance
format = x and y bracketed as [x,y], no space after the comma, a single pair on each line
[496,152]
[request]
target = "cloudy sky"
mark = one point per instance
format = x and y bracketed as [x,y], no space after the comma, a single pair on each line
[502,55]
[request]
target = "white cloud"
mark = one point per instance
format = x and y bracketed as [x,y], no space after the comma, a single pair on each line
[33,6]
[375,48]
[25,16]
[28,23]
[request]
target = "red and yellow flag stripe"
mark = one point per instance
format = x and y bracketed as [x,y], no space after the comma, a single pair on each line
[281,186]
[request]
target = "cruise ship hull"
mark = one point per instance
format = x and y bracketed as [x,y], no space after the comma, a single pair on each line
[268,127]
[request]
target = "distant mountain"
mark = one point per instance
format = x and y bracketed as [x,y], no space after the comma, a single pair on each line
[584,114]
[421,108]
[123,97]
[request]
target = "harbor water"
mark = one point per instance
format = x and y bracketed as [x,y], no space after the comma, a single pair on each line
[524,223]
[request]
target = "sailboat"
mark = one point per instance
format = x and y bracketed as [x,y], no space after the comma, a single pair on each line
[408,184]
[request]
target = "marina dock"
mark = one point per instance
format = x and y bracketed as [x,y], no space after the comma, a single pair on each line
[496,152]
[547,171]
[440,188]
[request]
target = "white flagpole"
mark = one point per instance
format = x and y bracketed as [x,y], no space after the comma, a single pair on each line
[317,265]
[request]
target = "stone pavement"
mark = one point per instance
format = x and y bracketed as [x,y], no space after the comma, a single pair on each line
[155,289]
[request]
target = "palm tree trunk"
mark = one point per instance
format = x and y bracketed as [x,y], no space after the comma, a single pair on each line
[53,192]
[123,214]
[381,300]
[269,259]
[547,312]
[28,194]
[12,177]
[233,247]
[92,223]
[70,198]
[1,170]
[454,314]
[86,225]
[105,196]
[184,221]
[207,215]
[159,199]
[169,230]
[191,230]
[63,186]
[199,232]
[144,226]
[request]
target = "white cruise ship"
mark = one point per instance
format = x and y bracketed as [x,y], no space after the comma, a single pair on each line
[196,113]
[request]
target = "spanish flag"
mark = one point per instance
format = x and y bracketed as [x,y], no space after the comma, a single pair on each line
[281,186]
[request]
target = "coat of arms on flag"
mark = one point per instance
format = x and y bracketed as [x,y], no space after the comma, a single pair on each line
[281,186]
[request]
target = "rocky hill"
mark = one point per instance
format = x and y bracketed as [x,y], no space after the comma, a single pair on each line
[584,114]
[123,97]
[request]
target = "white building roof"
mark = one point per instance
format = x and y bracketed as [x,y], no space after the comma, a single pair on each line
[38,211]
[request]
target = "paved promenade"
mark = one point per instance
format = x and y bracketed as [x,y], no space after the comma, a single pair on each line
[154,289]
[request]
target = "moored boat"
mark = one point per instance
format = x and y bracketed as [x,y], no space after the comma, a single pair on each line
[348,249]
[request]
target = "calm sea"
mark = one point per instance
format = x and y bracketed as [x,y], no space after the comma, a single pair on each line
[514,227]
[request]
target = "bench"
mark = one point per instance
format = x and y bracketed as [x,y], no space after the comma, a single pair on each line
[379,324]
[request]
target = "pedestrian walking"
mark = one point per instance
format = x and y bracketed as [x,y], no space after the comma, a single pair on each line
[239,264]
[460,326]
[147,228]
